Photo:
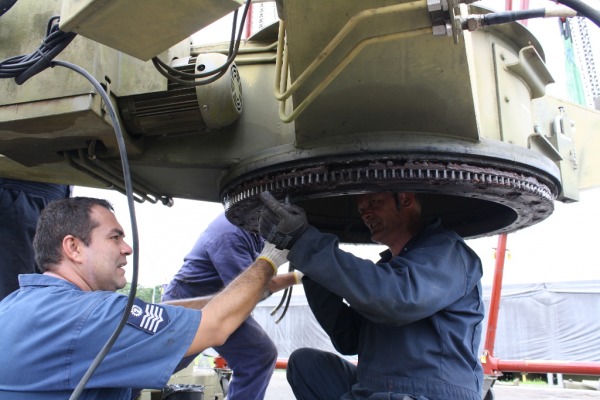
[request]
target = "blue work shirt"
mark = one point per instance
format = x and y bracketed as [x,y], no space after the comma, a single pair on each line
[221,253]
[52,331]
[414,320]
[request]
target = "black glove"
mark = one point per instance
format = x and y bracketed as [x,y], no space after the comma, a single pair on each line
[281,224]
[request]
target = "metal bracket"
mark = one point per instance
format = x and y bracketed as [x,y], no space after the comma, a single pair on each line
[531,69]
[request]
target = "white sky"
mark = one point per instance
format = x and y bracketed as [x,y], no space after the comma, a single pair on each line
[561,248]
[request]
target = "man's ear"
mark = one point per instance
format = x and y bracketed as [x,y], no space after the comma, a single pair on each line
[405,199]
[71,247]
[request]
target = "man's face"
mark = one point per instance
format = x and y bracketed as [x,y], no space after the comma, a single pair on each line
[106,255]
[378,212]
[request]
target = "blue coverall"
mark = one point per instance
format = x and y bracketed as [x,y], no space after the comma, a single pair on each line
[414,320]
[53,330]
[21,203]
[220,254]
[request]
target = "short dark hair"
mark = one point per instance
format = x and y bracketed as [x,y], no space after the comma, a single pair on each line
[71,216]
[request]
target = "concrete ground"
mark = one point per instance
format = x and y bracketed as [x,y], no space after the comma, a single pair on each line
[280,390]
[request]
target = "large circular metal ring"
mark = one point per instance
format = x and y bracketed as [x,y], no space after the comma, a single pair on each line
[473,197]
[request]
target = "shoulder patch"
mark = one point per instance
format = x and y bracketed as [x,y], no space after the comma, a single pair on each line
[150,318]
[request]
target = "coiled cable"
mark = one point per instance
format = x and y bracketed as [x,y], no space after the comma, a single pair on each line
[23,67]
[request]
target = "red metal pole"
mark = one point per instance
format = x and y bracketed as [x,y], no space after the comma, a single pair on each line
[549,366]
[488,361]
[494,306]
[249,22]
[524,6]
[494,366]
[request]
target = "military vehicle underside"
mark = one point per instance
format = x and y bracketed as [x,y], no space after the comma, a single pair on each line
[333,101]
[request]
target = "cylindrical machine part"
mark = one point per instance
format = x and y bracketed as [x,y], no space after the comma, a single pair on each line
[185,110]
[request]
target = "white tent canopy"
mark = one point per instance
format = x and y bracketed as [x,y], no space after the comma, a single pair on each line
[546,321]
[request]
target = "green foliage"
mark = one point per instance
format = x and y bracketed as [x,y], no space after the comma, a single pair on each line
[149,295]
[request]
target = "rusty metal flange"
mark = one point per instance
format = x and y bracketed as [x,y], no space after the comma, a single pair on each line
[474,200]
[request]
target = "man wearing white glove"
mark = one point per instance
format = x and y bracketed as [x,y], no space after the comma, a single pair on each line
[72,308]
[222,252]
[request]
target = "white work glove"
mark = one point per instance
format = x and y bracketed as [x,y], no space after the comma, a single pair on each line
[298,276]
[273,256]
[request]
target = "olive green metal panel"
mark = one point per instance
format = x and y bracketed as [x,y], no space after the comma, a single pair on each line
[385,73]
[188,166]
[52,172]
[21,34]
[141,28]
[509,73]
[513,98]
[573,132]
[55,125]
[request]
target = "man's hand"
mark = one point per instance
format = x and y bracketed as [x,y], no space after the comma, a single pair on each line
[281,224]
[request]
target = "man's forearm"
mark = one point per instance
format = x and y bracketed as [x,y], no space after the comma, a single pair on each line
[228,309]
[237,300]
[283,281]
[197,303]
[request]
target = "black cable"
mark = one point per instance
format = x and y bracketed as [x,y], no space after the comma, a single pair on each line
[234,45]
[285,299]
[233,48]
[25,66]
[5,5]
[586,10]
[129,190]
[278,306]
[482,20]
[287,305]
[504,17]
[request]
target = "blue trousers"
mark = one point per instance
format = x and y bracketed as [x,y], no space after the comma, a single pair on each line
[319,375]
[250,353]
[21,203]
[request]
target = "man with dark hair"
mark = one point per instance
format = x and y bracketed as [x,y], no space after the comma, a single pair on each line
[413,318]
[56,324]
[21,203]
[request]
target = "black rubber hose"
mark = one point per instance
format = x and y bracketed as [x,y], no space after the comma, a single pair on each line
[591,13]
[45,59]
[25,66]
[504,17]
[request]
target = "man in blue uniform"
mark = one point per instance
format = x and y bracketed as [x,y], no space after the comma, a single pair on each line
[220,254]
[413,318]
[55,325]
[21,203]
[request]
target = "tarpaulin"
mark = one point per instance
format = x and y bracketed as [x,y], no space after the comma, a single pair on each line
[545,321]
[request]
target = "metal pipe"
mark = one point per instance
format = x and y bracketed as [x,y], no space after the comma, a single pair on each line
[248,23]
[494,366]
[494,306]
[74,165]
[549,366]
[197,50]
[84,162]
[335,42]
[142,189]
[342,65]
